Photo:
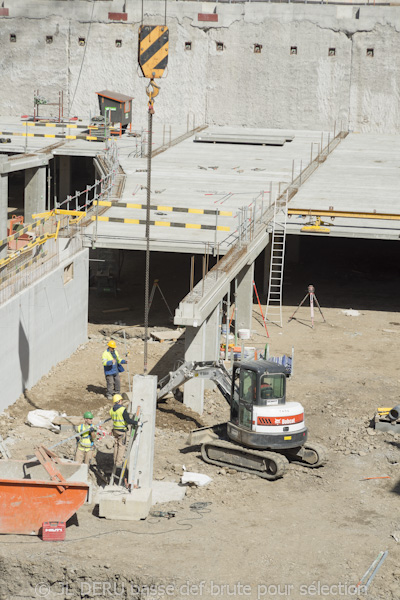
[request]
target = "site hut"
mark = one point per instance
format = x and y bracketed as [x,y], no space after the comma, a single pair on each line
[115,108]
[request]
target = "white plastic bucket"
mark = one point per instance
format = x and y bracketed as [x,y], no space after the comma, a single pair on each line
[244,334]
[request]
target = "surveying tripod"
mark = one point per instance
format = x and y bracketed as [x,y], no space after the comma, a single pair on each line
[313,298]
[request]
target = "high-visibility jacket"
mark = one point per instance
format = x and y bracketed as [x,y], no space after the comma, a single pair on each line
[85,441]
[111,368]
[117,415]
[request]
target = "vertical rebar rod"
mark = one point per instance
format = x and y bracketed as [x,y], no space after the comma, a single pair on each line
[147,267]
[191,272]
[228,310]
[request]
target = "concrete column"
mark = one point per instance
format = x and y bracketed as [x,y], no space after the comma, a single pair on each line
[3,209]
[195,343]
[35,192]
[64,178]
[245,296]
[116,502]
[144,394]
[201,343]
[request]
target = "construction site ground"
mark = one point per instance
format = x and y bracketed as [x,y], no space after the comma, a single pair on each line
[311,534]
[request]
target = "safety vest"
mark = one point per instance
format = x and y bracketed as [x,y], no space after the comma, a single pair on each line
[106,356]
[85,441]
[118,419]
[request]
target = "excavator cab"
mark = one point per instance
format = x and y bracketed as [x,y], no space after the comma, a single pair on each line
[255,383]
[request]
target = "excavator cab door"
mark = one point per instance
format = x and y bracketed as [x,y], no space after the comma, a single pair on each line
[247,397]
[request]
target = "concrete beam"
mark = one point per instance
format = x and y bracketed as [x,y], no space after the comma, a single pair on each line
[21,162]
[3,208]
[244,297]
[196,306]
[35,192]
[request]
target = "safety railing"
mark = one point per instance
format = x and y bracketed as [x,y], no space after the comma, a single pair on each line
[102,188]
[41,254]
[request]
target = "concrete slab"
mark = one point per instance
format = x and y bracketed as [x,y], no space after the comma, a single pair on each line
[118,504]
[161,336]
[191,181]
[167,491]
[362,174]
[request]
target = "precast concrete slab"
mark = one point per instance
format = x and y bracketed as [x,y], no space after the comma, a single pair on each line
[211,182]
[361,175]
[119,504]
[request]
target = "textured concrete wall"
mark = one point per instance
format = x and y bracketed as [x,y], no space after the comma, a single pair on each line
[41,326]
[274,88]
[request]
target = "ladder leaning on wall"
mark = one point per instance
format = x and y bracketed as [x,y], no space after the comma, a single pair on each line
[273,312]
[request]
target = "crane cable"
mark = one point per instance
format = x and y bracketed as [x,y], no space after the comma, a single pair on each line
[152,93]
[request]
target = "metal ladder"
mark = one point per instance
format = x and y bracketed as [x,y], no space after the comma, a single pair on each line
[273,312]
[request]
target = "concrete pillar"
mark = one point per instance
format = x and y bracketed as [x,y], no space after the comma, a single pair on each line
[117,502]
[245,296]
[35,192]
[195,343]
[144,394]
[64,178]
[3,209]
[201,343]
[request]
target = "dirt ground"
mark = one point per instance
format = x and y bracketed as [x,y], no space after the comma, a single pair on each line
[311,534]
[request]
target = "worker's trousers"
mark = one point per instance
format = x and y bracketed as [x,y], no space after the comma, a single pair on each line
[119,446]
[113,385]
[84,456]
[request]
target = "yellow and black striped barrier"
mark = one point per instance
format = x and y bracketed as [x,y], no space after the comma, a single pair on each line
[161,208]
[161,223]
[91,138]
[20,232]
[29,263]
[67,125]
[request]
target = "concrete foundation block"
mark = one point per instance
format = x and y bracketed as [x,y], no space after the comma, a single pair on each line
[118,504]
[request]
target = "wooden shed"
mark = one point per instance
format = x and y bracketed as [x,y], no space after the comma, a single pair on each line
[120,105]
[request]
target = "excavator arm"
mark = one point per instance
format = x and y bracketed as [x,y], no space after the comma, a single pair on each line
[212,370]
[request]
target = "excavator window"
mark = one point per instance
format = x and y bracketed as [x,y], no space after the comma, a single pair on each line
[272,387]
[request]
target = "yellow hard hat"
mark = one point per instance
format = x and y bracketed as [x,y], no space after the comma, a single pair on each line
[117,397]
[112,344]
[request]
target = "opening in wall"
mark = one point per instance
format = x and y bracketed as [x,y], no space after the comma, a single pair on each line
[49,39]
[332,52]
[118,43]
[188,45]
[13,37]
[81,41]
[220,46]
[293,49]
[257,48]
[370,52]
[68,273]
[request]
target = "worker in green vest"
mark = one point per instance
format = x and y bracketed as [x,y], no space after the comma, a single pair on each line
[121,419]
[85,448]
[112,368]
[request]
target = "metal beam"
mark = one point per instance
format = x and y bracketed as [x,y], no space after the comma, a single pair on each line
[307,212]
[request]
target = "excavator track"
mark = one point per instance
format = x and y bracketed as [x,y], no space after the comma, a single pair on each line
[311,455]
[268,465]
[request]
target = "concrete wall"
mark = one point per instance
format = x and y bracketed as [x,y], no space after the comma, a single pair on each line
[235,86]
[42,326]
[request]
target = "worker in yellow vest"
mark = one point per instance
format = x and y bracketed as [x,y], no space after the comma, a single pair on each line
[85,448]
[121,419]
[112,368]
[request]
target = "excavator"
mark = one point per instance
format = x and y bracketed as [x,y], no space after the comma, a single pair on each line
[264,432]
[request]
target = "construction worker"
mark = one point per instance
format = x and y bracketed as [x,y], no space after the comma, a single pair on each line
[121,419]
[112,368]
[85,448]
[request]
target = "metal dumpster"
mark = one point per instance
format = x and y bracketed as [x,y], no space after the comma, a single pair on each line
[38,490]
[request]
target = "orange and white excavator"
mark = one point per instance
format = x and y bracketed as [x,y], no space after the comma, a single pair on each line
[264,432]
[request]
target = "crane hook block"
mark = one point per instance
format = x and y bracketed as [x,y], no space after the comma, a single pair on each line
[153,50]
[152,90]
